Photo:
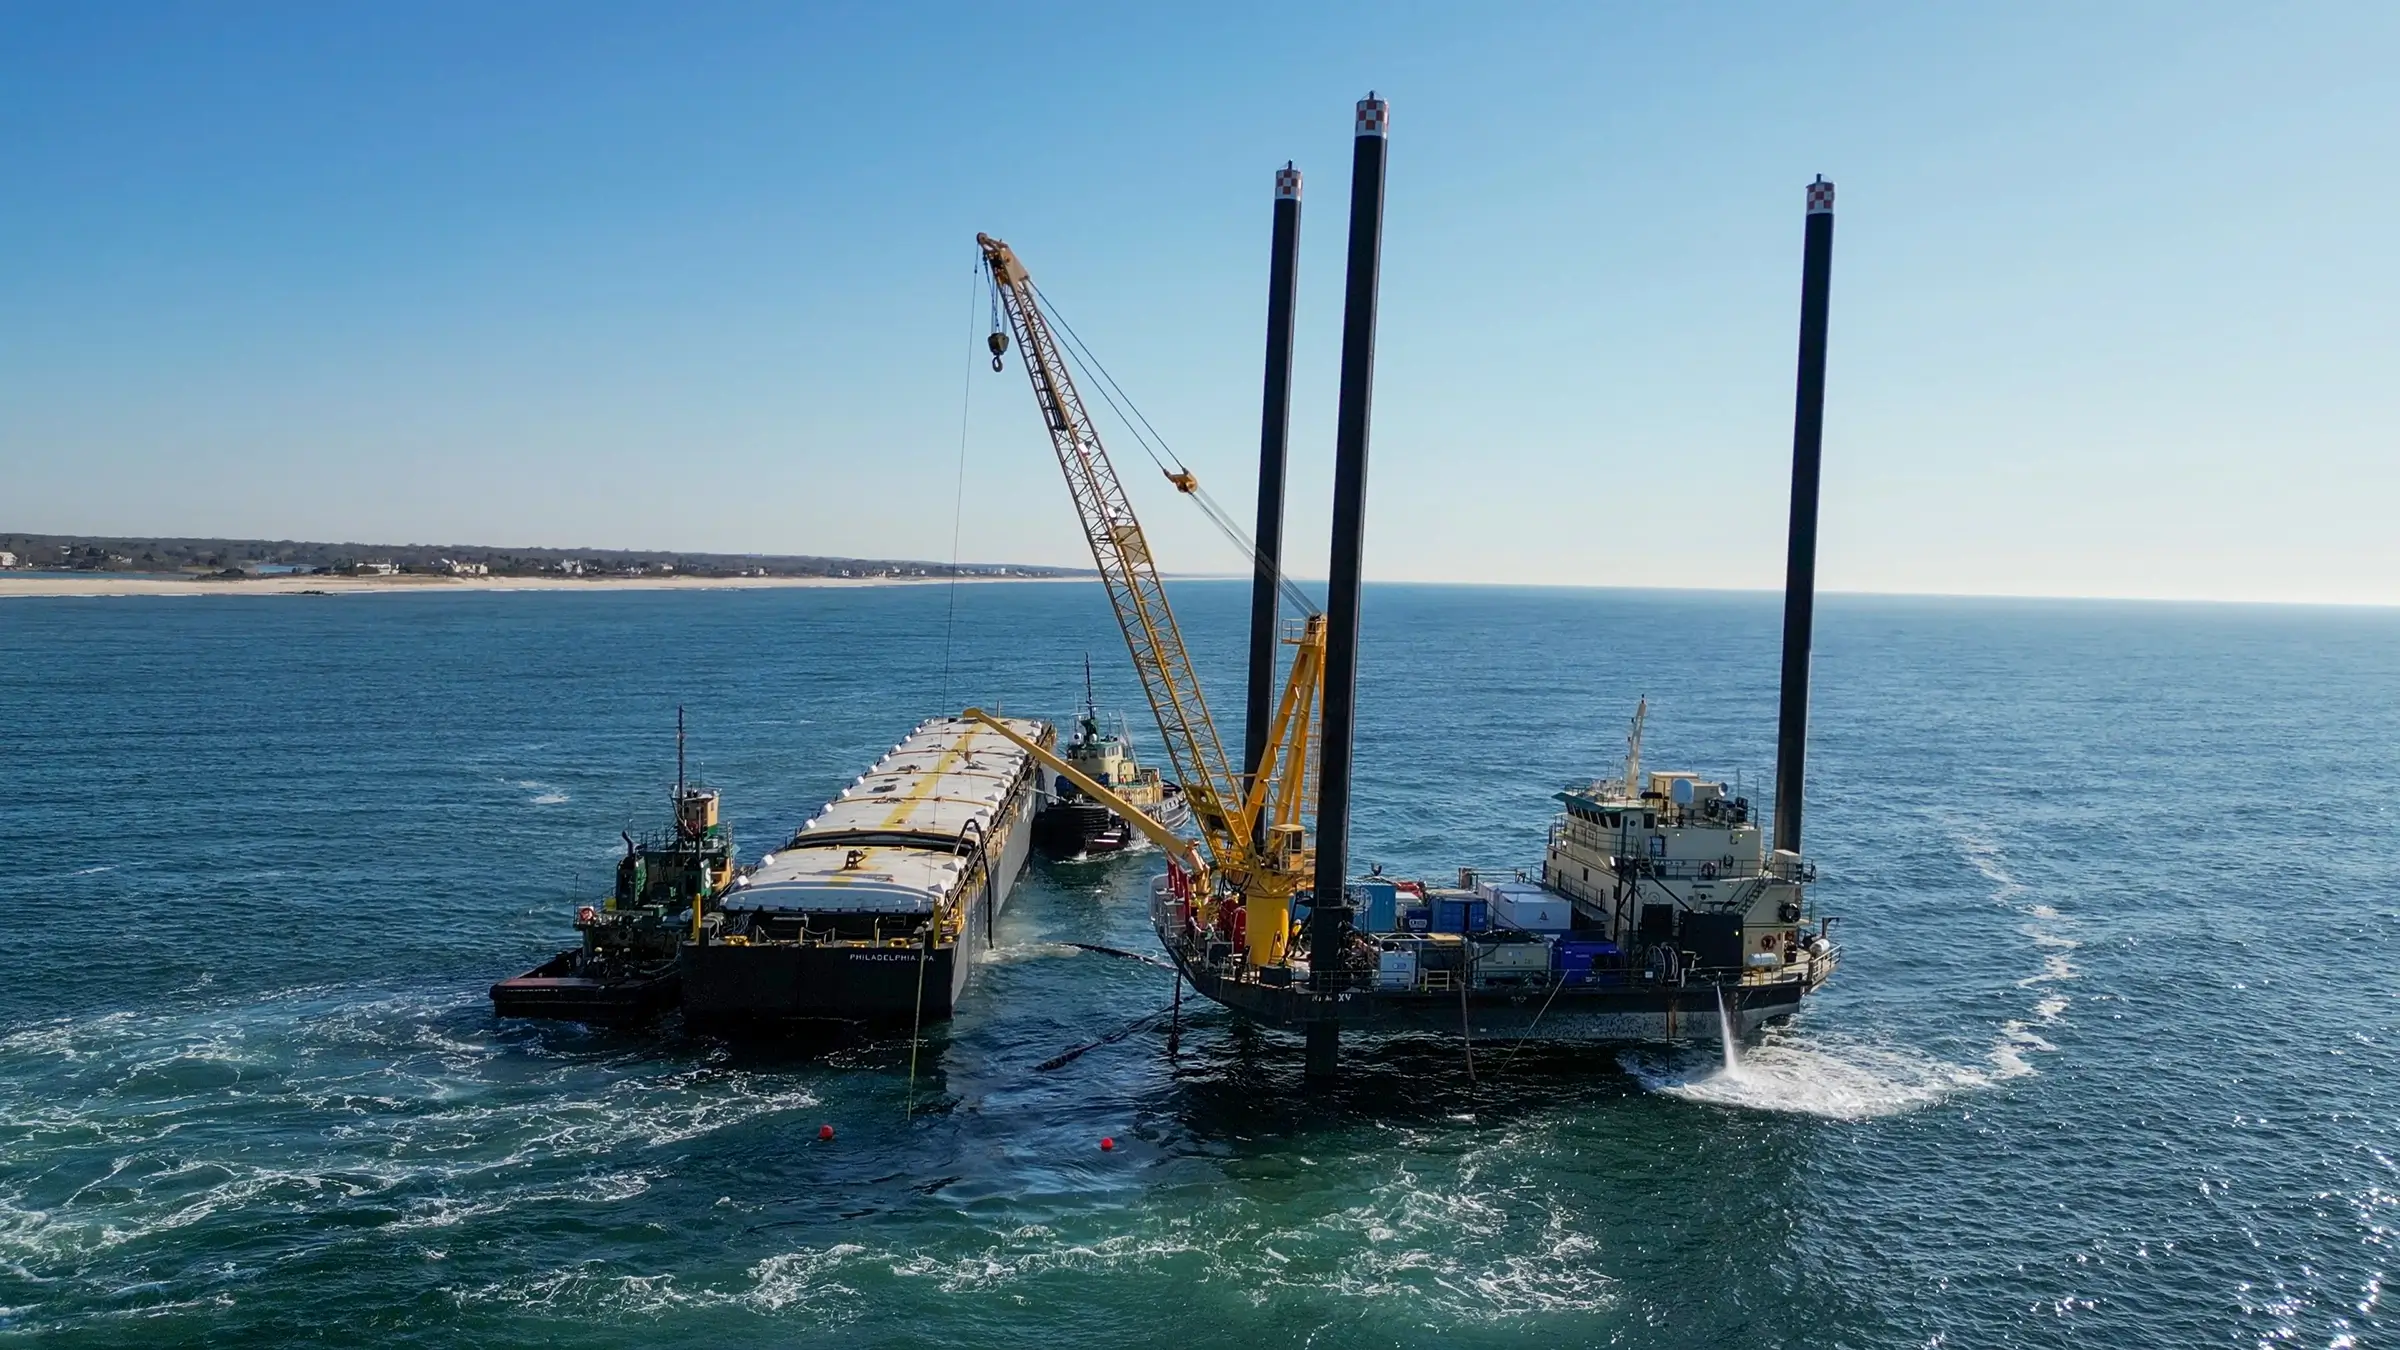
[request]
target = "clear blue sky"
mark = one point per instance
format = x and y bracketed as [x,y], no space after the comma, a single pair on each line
[2115,302]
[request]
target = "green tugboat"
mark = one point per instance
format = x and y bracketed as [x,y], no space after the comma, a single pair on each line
[626,971]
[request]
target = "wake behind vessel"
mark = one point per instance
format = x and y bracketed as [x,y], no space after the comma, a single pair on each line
[874,909]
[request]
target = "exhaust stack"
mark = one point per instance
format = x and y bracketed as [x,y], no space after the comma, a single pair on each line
[1275,423]
[1800,563]
[1329,919]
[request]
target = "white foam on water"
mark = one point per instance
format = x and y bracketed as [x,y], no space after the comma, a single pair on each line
[1014,952]
[2008,1053]
[805,1280]
[1984,855]
[2055,969]
[809,1281]
[1835,1080]
[447,1211]
[1014,1259]
[1481,1239]
[2046,933]
[405,1109]
[73,873]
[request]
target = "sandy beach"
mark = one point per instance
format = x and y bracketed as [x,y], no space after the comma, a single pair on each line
[102,584]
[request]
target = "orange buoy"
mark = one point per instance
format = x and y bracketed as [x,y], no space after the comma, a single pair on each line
[1107,1145]
[824,1132]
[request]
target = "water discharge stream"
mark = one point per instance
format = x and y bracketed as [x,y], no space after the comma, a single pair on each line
[1727,1035]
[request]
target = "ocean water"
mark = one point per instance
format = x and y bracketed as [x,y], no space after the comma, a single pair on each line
[2110,1062]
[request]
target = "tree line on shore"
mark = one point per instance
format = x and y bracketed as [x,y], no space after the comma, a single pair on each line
[233,558]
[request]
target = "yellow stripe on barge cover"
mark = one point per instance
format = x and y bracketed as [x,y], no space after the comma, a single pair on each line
[897,839]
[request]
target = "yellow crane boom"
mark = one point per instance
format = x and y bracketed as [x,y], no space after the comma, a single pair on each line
[1122,554]
[1253,832]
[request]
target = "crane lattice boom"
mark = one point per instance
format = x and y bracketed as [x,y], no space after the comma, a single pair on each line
[1122,555]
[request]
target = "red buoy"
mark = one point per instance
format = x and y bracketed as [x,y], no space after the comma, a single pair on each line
[1107,1144]
[824,1132]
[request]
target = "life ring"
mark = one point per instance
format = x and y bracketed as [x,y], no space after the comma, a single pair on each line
[586,915]
[1767,943]
[1708,871]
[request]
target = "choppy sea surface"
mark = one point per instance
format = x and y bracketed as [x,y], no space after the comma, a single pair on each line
[2111,1059]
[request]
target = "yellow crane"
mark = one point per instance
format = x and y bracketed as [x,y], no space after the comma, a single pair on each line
[1254,832]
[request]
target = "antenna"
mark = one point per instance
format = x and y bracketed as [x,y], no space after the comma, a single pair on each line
[679,752]
[1633,748]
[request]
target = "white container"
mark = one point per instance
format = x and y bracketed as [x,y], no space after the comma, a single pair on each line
[1396,969]
[1521,904]
[1765,961]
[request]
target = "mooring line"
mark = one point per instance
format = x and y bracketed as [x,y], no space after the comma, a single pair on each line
[916,1031]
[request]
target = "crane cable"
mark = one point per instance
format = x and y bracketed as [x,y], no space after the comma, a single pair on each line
[1161,454]
[958,502]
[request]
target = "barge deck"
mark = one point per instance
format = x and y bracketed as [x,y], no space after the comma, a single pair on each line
[875,909]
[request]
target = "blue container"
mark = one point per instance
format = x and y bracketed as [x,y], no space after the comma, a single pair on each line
[1574,958]
[1461,916]
[1378,906]
[1416,919]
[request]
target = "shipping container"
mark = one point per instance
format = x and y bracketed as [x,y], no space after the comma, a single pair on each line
[1520,904]
[1576,958]
[1460,914]
[1378,905]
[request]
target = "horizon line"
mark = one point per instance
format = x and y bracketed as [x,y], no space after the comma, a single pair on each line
[1852,592]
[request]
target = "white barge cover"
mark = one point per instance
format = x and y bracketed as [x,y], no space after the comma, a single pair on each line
[892,842]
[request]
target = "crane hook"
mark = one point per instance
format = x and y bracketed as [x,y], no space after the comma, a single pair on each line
[998,342]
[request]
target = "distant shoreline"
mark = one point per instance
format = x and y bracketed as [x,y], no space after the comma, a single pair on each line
[102,585]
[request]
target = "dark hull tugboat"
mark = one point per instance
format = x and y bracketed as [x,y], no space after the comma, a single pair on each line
[626,970]
[1072,824]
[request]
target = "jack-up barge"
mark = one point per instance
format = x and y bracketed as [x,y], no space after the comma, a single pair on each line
[1662,909]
